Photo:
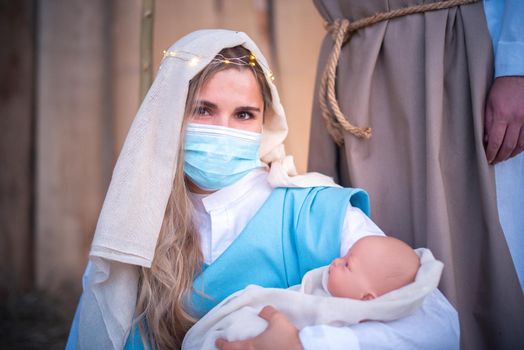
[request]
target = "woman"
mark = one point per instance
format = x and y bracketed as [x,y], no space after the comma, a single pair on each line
[201,193]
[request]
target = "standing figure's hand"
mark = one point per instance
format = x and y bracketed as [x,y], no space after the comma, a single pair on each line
[504,125]
[280,334]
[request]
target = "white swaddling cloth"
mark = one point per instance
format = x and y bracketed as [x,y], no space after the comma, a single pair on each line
[307,304]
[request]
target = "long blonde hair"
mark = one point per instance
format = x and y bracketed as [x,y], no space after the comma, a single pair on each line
[160,311]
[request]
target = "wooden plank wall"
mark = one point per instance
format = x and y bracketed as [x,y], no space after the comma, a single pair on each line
[69,72]
[16,146]
[74,136]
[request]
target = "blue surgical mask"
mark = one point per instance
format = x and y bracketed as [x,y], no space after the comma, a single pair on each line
[216,156]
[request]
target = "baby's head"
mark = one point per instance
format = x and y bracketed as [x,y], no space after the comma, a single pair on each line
[373,266]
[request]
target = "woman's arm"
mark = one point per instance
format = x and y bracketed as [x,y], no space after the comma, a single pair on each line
[434,326]
[356,225]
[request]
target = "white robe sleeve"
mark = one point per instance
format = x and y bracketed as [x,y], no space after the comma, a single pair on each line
[434,326]
[327,337]
[356,225]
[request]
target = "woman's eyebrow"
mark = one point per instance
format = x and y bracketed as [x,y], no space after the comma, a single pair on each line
[247,108]
[204,103]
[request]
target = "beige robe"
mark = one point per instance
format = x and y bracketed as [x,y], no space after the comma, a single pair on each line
[420,83]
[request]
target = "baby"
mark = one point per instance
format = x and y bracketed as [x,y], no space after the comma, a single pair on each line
[380,278]
[372,267]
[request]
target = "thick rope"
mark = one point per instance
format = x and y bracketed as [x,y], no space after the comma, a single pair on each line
[341,30]
[332,123]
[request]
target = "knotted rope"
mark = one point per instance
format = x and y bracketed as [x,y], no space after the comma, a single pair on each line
[341,31]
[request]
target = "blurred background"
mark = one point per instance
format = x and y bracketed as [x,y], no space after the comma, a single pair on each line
[69,75]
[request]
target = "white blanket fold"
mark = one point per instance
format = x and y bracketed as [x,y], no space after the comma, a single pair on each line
[307,304]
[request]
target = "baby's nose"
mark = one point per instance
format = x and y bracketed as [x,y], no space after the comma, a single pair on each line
[338,262]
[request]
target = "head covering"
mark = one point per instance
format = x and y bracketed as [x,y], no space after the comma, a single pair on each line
[133,210]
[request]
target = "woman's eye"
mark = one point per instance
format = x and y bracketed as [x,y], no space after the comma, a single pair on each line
[244,115]
[201,111]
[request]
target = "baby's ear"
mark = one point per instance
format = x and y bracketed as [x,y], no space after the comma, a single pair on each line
[369,296]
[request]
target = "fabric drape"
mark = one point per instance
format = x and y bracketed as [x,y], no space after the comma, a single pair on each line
[420,83]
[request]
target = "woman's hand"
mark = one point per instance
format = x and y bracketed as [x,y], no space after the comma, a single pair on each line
[504,125]
[280,334]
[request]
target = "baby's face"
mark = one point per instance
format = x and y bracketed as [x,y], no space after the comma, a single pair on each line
[373,266]
[347,278]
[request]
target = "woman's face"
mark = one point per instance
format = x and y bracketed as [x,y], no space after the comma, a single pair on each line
[230,98]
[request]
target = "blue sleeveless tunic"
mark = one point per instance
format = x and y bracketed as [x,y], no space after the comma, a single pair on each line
[295,230]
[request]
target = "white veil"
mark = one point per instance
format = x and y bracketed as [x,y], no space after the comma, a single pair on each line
[129,223]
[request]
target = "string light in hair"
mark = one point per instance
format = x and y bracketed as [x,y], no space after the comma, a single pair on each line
[192,59]
[239,61]
[169,53]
